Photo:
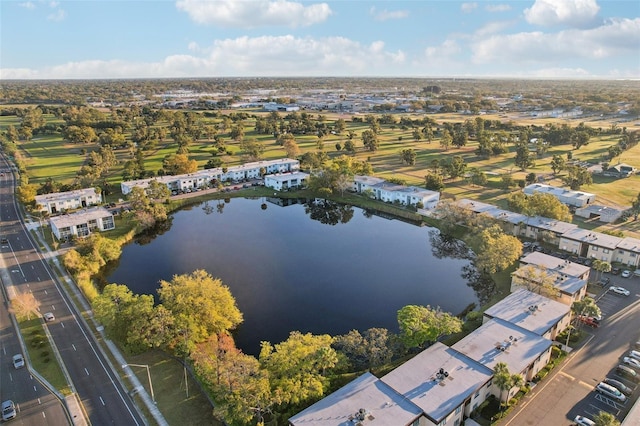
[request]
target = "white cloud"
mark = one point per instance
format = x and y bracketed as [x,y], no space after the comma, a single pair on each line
[58,15]
[497,7]
[617,37]
[468,7]
[54,4]
[27,5]
[573,13]
[253,14]
[446,49]
[243,56]
[492,28]
[385,15]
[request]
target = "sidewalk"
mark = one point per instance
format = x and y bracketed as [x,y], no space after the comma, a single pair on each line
[60,272]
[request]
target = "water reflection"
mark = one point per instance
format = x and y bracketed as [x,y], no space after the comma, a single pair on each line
[445,246]
[328,212]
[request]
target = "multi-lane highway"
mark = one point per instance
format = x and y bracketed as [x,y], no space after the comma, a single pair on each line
[102,397]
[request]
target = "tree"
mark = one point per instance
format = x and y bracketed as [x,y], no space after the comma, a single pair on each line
[295,366]
[446,140]
[497,250]
[370,140]
[201,304]
[408,156]
[530,178]
[157,190]
[291,148]
[349,146]
[422,324]
[537,280]
[557,164]
[523,158]
[601,266]
[252,148]
[24,305]
[586,306]
[635,207]
[27,193]
[604,418]
[179,164]
[577,176]
[456,167]
[539,204]
[370,349]
[434,182]
[504,380]
[478,177]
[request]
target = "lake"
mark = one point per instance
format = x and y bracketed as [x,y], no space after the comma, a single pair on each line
[315,267]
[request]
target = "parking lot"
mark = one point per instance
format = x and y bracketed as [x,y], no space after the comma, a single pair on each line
[570,389]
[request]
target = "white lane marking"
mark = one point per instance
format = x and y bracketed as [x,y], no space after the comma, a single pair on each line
[86,371]
[62,324]
[74,347]
[102,400]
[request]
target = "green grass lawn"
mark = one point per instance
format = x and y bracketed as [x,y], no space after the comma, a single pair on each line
[170,390]
[41,354]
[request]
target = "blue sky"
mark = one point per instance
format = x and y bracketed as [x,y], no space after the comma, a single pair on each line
[290,38]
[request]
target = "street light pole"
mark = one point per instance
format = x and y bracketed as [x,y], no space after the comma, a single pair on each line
[148,376]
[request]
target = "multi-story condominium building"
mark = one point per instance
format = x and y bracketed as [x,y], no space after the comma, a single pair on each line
[382,190]
[284,181]
[565,196]
[58,202]
[82,223]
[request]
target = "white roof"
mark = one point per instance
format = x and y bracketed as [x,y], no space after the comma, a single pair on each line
[485,344]
[593,238]
[530,311]
[630,244]
[555,264]
[422,380]
[68,195]
[283,177]
[367,392]
[82,216]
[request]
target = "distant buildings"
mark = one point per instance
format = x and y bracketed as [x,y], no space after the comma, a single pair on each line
[565,196]
[390,192]
[203,178]
[62,201]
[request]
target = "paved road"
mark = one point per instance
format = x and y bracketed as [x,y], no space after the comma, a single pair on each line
[569,391]
[35,404]
[103,398]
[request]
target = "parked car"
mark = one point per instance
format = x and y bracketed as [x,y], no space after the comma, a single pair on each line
[628,372]
[615,271]
[604,282]
[4,241]
[620,290]
[634,354]
[588,321]
[18,361]
[626,273]
[610,391]
[618,385]
[636,346]
[8,410]
[636,273]
[631,362]
[584,421]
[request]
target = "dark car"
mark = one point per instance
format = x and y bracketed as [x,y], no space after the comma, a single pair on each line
[619,385]
[628,372]
[615,271]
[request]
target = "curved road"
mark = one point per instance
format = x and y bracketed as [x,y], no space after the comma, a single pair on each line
[102,396]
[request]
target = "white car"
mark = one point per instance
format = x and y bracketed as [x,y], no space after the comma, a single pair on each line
[48,317]
[634,354]
[631,362]
[610,391]
[626,273]
[18,361]
[584,421]
[620,290]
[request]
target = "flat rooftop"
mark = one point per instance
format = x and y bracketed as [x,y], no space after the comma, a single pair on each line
[382,406]
[529,310]
[501,341]
[555,264]
[438,380]
[82,216]
[68,195]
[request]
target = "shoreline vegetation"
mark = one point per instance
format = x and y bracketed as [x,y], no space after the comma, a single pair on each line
[459,141]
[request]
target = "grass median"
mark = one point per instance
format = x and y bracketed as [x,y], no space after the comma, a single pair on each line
[41,354]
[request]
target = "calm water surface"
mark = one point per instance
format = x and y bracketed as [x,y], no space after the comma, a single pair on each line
[290,271]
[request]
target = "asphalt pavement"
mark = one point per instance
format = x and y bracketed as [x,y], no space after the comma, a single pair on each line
[103,399]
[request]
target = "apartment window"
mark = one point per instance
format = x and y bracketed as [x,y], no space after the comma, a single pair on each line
[458,409]
[444,422]
[476,395]
[457,422]
[489,384]
[605,251]
[594,248]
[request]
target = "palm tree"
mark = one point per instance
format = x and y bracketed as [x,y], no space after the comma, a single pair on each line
[504,380]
